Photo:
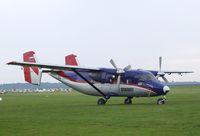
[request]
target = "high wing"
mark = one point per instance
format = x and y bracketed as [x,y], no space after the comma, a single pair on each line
[177,72]
[162,74]
[53,67]
[156,73]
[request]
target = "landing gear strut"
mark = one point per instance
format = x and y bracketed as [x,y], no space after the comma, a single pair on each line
[161,101]
[128,100]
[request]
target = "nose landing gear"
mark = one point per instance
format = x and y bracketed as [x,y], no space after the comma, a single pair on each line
[161,101]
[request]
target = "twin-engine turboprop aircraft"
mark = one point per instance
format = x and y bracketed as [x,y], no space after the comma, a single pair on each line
[105,82]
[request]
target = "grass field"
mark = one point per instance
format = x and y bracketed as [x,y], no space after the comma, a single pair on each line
[74,114]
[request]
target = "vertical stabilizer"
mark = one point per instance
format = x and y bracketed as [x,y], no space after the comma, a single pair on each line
[32,75]
[71,60]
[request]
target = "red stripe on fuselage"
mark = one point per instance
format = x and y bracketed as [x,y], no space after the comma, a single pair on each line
[64,75]
[138,86]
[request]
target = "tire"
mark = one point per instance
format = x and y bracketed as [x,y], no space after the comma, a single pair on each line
[127,101]
[161,101]
[101,101]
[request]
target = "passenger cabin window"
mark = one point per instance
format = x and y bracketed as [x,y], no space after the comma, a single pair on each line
[131,81]
[123,81]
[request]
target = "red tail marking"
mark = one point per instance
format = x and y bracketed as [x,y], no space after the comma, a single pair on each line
[71,60]
[29,57]
[27,74]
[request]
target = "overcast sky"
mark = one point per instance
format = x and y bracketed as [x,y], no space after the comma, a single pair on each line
[132,32]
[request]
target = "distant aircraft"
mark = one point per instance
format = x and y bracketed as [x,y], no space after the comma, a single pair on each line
[104,82]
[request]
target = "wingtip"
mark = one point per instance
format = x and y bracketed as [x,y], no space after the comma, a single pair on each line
[11,63]
[190,72]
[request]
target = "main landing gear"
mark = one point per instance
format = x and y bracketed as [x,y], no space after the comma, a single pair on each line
[101,101]
[161,101]
[128,100]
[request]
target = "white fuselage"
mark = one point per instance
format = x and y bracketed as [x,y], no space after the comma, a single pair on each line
[106,88]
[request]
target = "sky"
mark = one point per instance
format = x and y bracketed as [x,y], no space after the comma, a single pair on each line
[132,32]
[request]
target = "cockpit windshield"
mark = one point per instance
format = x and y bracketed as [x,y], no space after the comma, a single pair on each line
[145,76]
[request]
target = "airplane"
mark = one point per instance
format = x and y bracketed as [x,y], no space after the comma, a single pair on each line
[104,82]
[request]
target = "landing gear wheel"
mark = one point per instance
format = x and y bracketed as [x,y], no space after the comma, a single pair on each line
[101,101]
[161,101]
[128,101]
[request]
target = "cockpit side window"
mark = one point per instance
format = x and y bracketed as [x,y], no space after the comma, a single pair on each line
[144,76]
[137,77]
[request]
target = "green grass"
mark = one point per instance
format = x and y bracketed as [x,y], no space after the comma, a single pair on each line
[74,114]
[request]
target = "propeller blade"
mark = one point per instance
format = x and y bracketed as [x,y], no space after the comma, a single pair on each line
[160,63]
[127,68]
[113,64]
[165,79]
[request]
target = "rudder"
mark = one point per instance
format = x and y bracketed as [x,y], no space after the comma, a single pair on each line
[32,75]
[71,60]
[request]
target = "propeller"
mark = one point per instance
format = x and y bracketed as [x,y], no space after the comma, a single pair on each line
[160,73]
[127,68]
[119,70]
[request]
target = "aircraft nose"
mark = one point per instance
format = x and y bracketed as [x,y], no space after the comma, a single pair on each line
[166,89]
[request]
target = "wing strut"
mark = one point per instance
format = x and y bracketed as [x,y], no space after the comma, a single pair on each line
[98,90]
